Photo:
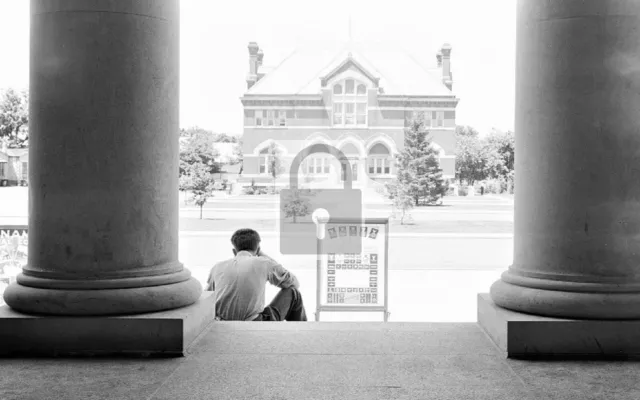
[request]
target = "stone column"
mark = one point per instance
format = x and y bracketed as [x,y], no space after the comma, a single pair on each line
[103,218]
[577,200]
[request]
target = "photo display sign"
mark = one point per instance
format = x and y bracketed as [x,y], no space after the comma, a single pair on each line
[353,281]
[14,241]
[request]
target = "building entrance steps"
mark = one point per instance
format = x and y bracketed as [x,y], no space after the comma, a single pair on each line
[321,360]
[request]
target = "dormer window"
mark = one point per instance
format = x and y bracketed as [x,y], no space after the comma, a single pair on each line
[350,106]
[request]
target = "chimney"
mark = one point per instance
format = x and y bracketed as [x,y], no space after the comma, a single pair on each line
[446,65]
[260,57]
[252,78]
[439,58]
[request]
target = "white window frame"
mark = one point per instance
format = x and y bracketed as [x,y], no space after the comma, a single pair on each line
[3,169]
[270,118]
[282,118]
[264,164]
[380,162]
[437,119]
[340,119]
[25,170]
[313,164]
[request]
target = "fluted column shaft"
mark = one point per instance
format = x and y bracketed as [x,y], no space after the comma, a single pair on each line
[103,215]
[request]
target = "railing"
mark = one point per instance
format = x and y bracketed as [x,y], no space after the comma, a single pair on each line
[14,242]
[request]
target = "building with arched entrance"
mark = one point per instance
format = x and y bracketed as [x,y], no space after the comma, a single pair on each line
[357,98]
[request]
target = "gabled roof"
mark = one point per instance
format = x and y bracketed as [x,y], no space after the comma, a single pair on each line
[399,73]
[349,63]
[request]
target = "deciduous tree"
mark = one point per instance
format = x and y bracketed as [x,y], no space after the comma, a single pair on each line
[14,118]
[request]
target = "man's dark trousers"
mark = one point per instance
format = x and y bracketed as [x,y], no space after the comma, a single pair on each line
[286,306]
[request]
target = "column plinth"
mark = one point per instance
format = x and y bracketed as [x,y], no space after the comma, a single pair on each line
[577,202]
[104,126]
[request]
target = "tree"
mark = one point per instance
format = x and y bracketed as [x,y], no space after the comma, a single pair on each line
[237,153]
[224,138]
[196,147]
[502,144]
[276,167]
[402,200]
[468,131]
[296,206]
[472,159]
[201,184]
[419,174]
[14,118]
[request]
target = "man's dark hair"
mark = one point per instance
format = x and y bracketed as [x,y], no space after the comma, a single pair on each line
[245,239]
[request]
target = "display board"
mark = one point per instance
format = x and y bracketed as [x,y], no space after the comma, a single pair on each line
[353,282]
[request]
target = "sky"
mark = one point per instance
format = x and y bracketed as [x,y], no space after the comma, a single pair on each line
[215,60]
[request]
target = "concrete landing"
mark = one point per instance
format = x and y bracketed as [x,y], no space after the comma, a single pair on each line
[166,333]
[321,360]
[527,336]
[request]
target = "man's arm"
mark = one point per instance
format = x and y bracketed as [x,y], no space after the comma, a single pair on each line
[278,276]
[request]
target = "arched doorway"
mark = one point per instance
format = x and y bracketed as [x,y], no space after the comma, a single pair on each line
[352,161]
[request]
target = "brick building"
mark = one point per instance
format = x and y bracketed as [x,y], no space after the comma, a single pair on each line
[357,97]
[14,166]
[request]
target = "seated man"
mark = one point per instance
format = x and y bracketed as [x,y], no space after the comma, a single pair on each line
[240,284]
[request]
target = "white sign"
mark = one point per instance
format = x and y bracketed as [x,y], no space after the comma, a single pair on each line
[349,279]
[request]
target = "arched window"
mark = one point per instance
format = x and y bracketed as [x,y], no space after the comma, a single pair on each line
[350,106]
[267,156]
[379,160]
[264,161]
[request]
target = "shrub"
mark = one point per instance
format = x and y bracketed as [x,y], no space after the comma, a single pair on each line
[249,190]
[463,190]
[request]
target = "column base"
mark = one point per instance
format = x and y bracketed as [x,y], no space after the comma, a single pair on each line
[574,300]
[528,336]
[93,302]
[167,333]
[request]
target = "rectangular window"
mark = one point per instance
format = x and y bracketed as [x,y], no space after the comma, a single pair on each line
[361,113]
[25,170]
[349,86]
[350,111]
[263,165]
[318,165]
[387,166]
[378,165]
[337,113]
[372,165]
[271,116]
[438,117]
[310,166]
[282,118]
[326,165]
[2,168]
[259,117]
